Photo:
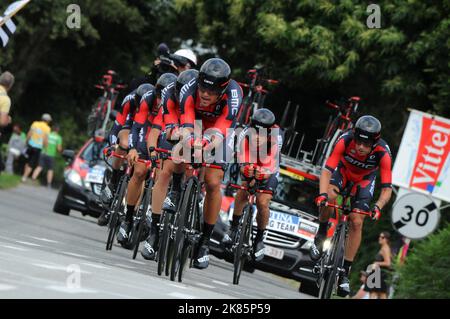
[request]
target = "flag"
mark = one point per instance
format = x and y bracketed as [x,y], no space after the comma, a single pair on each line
[7,23]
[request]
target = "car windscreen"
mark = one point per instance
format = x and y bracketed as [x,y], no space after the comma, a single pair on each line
[297,192]
[93,153]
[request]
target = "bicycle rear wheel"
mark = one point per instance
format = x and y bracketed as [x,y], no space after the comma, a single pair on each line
[332,263]
[182,226]
[146,200]
[242,239]
[116,208]
[164,241]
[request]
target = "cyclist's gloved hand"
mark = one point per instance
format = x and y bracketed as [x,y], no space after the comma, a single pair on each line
[133,156]
[248,171]
[262,173]
[376,213]
[321,200]
[153,158]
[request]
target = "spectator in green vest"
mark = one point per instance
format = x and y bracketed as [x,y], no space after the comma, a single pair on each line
[47,157]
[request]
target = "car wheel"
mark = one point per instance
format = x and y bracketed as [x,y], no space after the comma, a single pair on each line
[248,267]
[309,288]
[59,207]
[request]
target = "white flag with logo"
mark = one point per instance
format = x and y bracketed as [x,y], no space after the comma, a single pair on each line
[7,24]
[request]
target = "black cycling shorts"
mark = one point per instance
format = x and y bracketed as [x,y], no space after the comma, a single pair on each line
[47,162]
[362,190]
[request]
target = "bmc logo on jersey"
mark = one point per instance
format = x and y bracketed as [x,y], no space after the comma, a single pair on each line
[365,165]
[146,95]
[186,87]
[128,98]
[234,102]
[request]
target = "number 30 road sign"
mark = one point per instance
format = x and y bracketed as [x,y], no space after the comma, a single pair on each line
[415,215]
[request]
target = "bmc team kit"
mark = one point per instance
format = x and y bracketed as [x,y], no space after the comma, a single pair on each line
[118,204]
[187,222]
[242,246]
[330,265]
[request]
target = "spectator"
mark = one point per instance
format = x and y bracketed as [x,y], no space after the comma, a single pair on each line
[48,154]
[6,83]
[16,146]
[383,264]
[37,138]
[362,293]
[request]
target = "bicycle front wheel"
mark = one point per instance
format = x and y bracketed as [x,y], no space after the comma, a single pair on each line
[243,243]
[116,207]
[164,242]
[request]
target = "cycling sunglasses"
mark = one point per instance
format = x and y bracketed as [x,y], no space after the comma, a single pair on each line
[210,90]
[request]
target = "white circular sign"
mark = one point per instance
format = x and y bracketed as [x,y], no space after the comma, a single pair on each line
[415,215]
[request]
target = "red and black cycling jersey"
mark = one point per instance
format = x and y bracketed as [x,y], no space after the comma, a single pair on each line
[356,166]
[170,106]
[124,117]
[269,158]
[219,116]
[146,112]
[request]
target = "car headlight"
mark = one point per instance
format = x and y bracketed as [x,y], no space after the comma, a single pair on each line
[307,245]
[75,178]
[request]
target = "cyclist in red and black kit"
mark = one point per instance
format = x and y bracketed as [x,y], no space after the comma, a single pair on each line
[215,99]
[356,157]
[258,151]
[119,135]
[161,135]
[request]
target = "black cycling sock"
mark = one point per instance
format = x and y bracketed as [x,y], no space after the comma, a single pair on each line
[130,213]
[176,182]
[155,219]
[207,232]
[323,228]
[235,221]
[115,176]
[347,266]
[259,234]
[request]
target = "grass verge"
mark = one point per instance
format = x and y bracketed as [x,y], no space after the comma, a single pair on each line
[9,181]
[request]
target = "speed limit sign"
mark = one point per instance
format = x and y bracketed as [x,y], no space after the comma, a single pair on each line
[415,215]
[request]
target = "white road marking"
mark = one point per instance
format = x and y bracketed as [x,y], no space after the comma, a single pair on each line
[125,266]
[71,290]
[220,283]
[59,267]
[14,247]
[138,262]
[73,254]
[205,285]
[180,295]
[4,287]
[27,243]
[178,286]
[44,239]
[95,266]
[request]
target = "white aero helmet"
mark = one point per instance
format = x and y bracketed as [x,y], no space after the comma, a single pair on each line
[185,54]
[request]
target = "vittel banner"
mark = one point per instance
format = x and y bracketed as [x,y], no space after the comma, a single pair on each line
[423,161]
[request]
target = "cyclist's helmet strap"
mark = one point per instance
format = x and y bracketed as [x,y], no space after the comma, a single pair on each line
[367,129]
[214,75]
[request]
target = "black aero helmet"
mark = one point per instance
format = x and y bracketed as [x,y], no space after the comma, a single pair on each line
[262,118]
[144,88]
[163,81]
[184,78]
[367,129]
[214,75]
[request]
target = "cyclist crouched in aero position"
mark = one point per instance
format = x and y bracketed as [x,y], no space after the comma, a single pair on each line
[356,157]
[161,135]
[148,114]
[119,135]
[215,99]
[259,155]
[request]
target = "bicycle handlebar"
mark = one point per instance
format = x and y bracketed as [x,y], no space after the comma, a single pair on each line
[108,152]
[355,210]
[246,188]
[161,150]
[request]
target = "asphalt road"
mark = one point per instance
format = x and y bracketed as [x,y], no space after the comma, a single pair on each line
[46,255]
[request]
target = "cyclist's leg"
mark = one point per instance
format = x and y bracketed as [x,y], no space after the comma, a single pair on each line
[240,201]
[364,193]
[135,188]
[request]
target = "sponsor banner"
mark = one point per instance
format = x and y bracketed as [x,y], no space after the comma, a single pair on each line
[423,161]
